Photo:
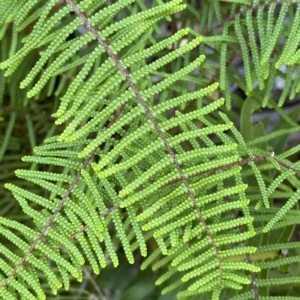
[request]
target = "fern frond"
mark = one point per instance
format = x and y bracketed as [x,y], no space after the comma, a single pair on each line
[147,160]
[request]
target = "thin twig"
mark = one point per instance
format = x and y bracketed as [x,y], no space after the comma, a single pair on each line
[249,8]
[84,228]
[58,209]
[282,163]
[253,282]
[243,162]
[49,222]
[168,148]
[149,114]
[225,167]
[248,258]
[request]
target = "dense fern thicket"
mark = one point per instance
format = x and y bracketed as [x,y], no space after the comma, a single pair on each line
[149,149]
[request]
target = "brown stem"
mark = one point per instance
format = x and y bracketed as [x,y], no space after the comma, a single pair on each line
[161,135]
[49,222]
[59,207]
[254,285]
[149,114]
[84,228]
[250,8]
[225,167]
[282,163]
[243,162]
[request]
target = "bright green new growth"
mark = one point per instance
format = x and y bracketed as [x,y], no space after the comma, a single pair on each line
[129,192]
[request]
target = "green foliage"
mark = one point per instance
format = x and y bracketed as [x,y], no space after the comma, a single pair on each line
[160,161]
